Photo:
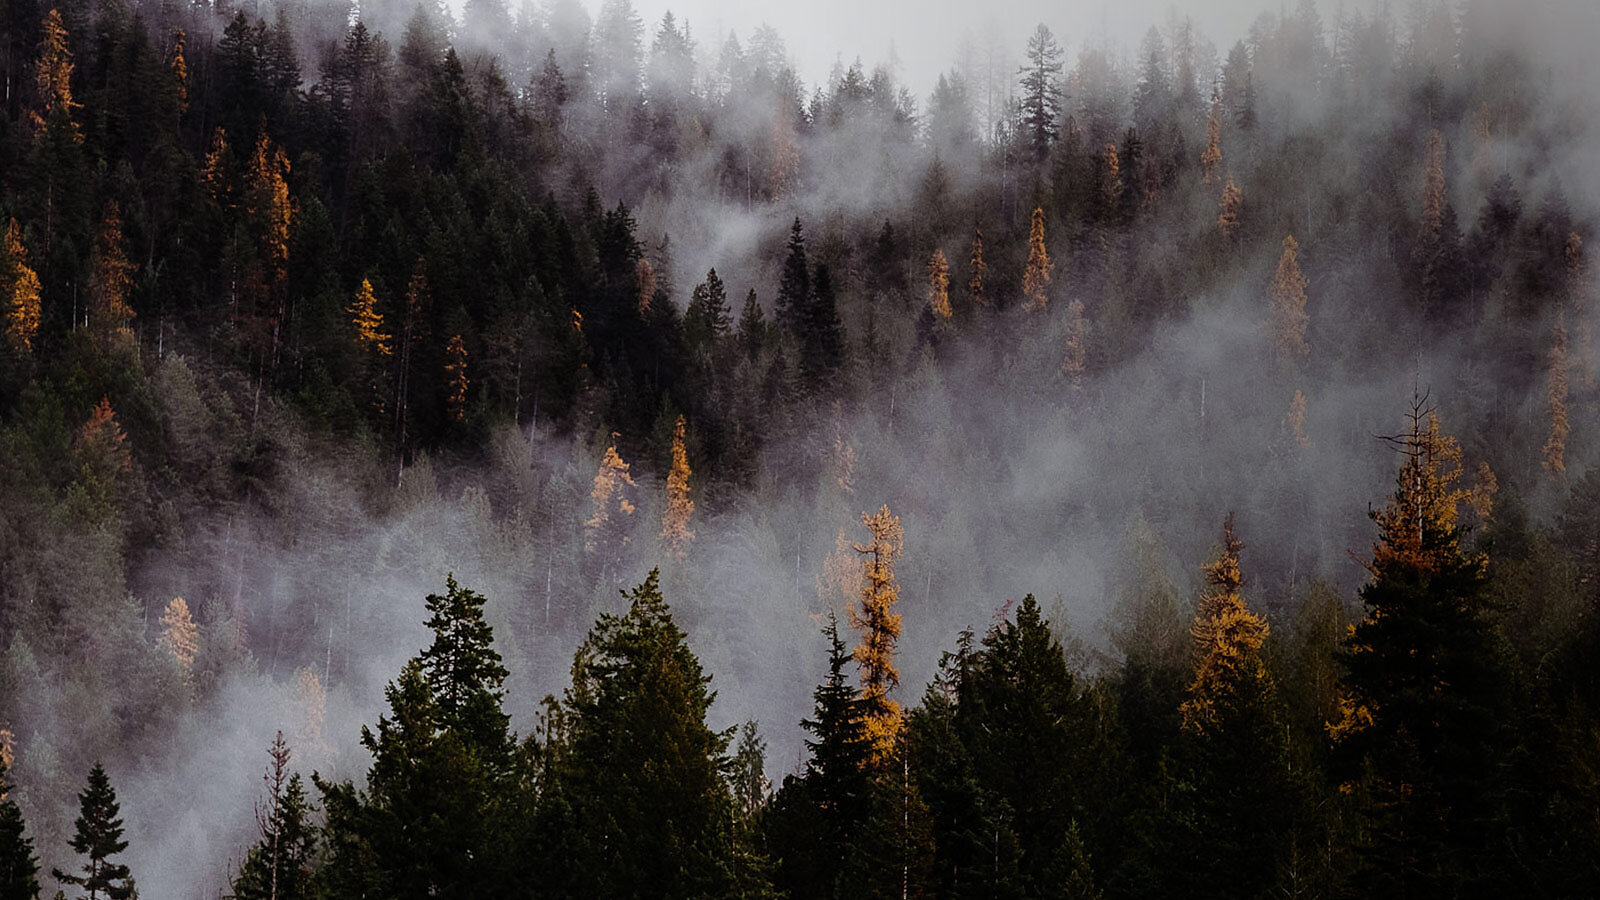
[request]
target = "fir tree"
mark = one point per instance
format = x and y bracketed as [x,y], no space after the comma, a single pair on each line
[98,837]
[1041,95]
[794,288]
[280,865]
[19,868]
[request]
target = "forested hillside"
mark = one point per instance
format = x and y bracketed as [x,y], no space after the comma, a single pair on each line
[573,457]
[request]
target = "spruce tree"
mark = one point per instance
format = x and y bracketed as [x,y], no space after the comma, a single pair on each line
[97,838]
[19,869]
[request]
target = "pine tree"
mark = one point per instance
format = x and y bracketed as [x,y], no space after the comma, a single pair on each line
[794,288]
[97,838]
[1036,277]
[879,625]
[1041,95]
[1231,209]
[179,635]
[455,379]
[1421,733]
[752,327]
[19,868]
[1555,446]
[977,270]
[675,533]
[708,318]
[939,285]
[1111,186]
[1287,302]
[19,288]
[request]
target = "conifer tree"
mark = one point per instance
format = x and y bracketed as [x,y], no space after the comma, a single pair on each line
[1231,209]
[606,531]
[179,635]
[19,868]
[879,625]
[1421,732]
[1296,420]
[752,327]
[111,275]
[1287,300]
[645,278]
[1211,158]
[708,317]
[178,69]
[939,285]
[368,322]
[1077,355]
[1036,277]
[1110,188]
[675,533]
[19,288]
[1041,95]
[977,270]
[53,80]
[1555,446]
[794,288]
[279,865]
[1580,301]
[455,379]
[98,838]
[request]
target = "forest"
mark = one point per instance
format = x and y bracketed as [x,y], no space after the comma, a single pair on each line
[453,451]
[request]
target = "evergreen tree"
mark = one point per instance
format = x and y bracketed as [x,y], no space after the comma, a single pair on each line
[1041,95]
[19,869]
[1287,318]
[279,866]
[794,288]
[97,838]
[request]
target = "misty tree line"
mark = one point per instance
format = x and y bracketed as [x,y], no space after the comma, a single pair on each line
[241,242]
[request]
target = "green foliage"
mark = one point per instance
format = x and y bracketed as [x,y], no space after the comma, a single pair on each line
[98,837]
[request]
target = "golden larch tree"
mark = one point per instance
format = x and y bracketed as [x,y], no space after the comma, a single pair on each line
[1211,158]
[52,74]
[1228,641]
[1296,420]
[214,171]
[1036,277]
[110,275]
[1419,523]
[1077,355]
[879,625]
[939,285]
[645,277]
[368,322]
[1555,446]
[675,533]
[102,438]
[178,67]
[19,288]
[1481,496]
[179,635]
[1287,304]
[1110,180]
[269,205]
[609,503]
[1231,209]
[977,270]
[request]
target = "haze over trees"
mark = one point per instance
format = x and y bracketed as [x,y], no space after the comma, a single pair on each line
[1121,472]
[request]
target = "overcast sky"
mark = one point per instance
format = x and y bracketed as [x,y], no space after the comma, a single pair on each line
[927,34]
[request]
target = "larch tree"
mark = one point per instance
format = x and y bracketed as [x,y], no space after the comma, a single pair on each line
[52,73]
[19,288]
[1211,157]
[606,531]
[455,379]
[1076,359]
[110,276]
[269,207]
[1036,277]
[1555,445]
[939,285]
[1231,209]
[1422,728]
[178,69]
[675,533]
[977,270]
[98,838]
[180,637]
[19,868]
[1296,420]
[1287,318]
[1110,188]
[644,276]
[879,625]
[368,322]
[1234,722]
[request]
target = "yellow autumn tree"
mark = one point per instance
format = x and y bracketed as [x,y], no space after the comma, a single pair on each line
[19,288]
[939,285]
[368,322]
[178,67]
[879,625]
[675,533]
[1231,209]
[1287,302]
[269,205]
[1228,641]
[214,171]
[645,276]
[1077,356]
[1296,420]
[52,75]
[1211,158]
[1036,277]
[1419,523]
[1555,446]
[455,378]
[610,512]
[977,270]
[110,275]
[1110,181]
[180,637]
